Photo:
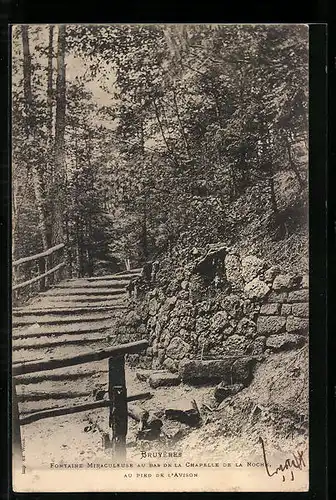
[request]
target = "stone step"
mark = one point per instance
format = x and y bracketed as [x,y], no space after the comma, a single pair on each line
[61,389]
[55,299]
[64,374]
[65,308]
[47,395]
[40,405]
[37,330]
[73,307]
[59,351]
[61,340]
[124,275]
[44,318]
[84,292]
[95,286]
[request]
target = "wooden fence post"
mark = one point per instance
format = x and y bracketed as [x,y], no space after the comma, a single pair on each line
[118,407]
[16,432]
[41,270]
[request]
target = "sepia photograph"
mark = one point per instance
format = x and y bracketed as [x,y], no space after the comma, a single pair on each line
[160,257]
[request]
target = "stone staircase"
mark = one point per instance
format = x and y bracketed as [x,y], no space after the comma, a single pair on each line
[74,316]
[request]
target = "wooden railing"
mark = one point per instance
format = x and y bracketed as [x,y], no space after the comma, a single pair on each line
[40,268]
[117,402]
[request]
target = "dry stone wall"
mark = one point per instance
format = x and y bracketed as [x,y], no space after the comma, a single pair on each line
[247,309]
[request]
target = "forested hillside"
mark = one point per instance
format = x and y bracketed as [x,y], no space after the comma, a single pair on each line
[131,142]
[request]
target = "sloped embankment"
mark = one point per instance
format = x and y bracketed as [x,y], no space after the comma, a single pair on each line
[274,406]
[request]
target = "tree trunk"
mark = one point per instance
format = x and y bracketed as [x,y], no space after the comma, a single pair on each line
[144,220]
[144,230]
[184,137]
[292,162]
[36,173]
[157,115]
[50,81]
[57,229]
[50,103]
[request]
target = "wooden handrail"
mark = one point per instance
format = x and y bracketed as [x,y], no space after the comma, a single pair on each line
[86,357]
[38,255]
[38,278]
[67,410]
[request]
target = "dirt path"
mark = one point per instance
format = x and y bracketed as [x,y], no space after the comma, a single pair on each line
[232,431]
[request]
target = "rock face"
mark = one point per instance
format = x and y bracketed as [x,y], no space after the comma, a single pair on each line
[216,305]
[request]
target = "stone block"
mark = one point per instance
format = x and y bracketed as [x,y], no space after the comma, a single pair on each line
[256,289]
[270,324]
[202,325]
[233,270]
[144,375]
[187,324]
[177,348]
[236,344]
[297,325]
[229,370]
[301,310]
[219,321]
[156,365]
[270,309]
[271,273]
[305,281]
[198,372]
[299,296]
[184,285]
[246,327]
[259,345]
[170,364]
[183,295]
[163,379]
[284,341]
[275,296]
[286,309]
[170,303]
[153,307]
[284,282]
[233,305]
[161,355]
[251,267]
[155,347]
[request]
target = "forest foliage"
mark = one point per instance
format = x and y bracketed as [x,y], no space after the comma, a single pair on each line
[168,136]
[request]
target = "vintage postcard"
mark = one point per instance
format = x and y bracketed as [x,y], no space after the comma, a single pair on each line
[160,289]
